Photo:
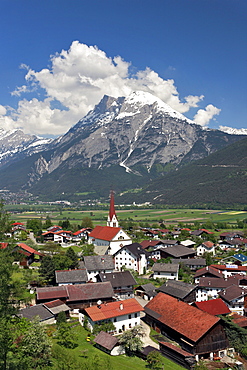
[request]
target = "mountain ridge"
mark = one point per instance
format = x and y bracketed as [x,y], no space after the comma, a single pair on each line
[126,141]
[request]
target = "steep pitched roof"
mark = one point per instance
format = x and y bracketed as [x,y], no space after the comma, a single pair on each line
[112,211]
[134,248]
[28,249]
[113,309]
[213,306]
[208,244]
[188,321]
[106,340]
[208,270]
[94,263]
[118,279]
[150,243]
[232,292]
[71,276]
[177,289]
[104,232]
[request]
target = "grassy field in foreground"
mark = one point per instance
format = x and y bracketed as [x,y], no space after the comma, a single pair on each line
[86,351]
[171,216]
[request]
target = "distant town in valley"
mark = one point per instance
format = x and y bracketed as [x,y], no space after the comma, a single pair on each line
[133,286]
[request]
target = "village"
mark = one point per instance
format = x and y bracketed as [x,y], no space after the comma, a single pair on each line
[162,283]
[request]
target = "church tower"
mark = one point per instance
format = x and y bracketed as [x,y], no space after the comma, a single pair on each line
[112,217]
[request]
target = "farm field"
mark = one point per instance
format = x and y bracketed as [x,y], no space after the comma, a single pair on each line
[167,216]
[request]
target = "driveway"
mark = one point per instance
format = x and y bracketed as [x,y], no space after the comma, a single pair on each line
[147,341]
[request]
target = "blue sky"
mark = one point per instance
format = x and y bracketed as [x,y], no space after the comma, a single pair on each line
[59,57]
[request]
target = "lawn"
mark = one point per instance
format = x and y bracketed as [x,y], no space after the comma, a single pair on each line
[85,352]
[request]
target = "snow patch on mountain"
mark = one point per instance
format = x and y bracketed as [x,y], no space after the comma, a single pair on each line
[233,131]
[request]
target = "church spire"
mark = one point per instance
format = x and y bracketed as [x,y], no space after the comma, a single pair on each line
[112,217]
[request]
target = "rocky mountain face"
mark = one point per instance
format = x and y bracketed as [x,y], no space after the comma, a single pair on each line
[139,130]
[139,134]
[15,145]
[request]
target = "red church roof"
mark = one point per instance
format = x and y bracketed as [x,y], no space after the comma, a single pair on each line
[104,232]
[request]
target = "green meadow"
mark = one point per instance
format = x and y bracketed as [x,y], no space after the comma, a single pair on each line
[167,216]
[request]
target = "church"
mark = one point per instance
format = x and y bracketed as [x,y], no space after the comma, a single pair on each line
[110,238]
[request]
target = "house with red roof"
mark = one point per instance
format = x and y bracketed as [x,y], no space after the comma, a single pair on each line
[231,269]
[123,314]
[51,236]
[18,226]
[59,236]
[78,296]
[113,238]
[205,247]
[201,233]
[81,234]
[196,331]
[29,254]
[208,271]
[213,306]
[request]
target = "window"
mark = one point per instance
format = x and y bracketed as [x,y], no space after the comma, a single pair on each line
[115,319]
[135,315]
[129,316]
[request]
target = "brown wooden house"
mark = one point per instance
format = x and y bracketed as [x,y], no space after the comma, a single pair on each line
[197,332]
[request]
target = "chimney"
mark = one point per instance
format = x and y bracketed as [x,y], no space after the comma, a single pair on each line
[121,306]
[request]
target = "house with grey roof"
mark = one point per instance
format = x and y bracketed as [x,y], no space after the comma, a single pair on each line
[178,289]
[98,264]
[46,312]
[235,298]
[122,283]
[132,256]
[109,344]
[193,263]
[177,251]
[165,271]
[77,276]
[146,291]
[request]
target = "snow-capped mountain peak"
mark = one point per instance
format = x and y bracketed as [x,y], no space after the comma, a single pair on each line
[233,131]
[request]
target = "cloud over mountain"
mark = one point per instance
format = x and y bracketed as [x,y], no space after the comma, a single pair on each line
[76,80]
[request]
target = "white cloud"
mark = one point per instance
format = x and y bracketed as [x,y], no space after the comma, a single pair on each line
[203,116]
[78,78]
[3,110]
